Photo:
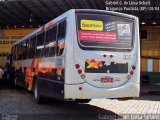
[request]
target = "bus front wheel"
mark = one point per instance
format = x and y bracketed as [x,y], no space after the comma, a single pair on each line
[37,97]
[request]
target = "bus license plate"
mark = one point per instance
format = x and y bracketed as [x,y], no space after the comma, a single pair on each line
[106,80]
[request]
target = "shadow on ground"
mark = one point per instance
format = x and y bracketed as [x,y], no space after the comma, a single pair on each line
[20,104]
[149,96]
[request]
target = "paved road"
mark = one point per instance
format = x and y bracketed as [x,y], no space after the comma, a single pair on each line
[19,104]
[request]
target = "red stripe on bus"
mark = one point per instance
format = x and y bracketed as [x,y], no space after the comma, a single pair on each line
[96,36]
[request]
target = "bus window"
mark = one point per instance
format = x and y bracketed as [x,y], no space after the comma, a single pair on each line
[61,37]
[12,50]
[15,53]
[104,31]
[25,49]
[50,42]
[40,44]
[32,46]
[19,51]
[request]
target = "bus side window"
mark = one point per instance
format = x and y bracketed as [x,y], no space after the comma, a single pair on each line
[40,44]
[61,38]
[19,52]
[50,42]
[15,52]
[17,57]
[32,46]
[24,51]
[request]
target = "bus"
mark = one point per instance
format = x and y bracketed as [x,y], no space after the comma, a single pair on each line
[81,55]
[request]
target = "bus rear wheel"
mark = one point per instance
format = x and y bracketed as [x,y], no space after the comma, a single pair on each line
[37,97]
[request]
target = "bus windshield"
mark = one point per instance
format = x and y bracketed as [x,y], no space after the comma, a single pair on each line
[104,31]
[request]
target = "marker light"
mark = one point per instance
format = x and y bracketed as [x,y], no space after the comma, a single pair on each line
[133,67]
[131,72]
[79,71]
[104,55]
[77,66]
[111,56]
[80,88]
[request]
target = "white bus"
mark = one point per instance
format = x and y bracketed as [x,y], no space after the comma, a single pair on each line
[81,55]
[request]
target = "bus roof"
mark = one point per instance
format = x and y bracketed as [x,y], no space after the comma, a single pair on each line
[92,11]
[42,28]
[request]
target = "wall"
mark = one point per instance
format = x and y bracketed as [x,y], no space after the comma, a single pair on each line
[8,37]
[150,53]
[150,49]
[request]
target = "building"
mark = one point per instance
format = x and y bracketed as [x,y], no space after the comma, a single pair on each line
[17,16]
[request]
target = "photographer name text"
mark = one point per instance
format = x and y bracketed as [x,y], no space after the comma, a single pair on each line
[131,6]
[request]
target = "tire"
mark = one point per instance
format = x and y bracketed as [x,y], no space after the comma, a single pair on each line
[82,100]
[37,97]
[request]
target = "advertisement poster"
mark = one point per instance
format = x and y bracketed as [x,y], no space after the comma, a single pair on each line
[124,29]
[97,36]
[105,31]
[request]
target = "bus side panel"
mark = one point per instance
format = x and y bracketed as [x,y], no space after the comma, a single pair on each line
[20,72]
[51,77]
[51,89]
[71,73]
[51,82]
[20,77]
